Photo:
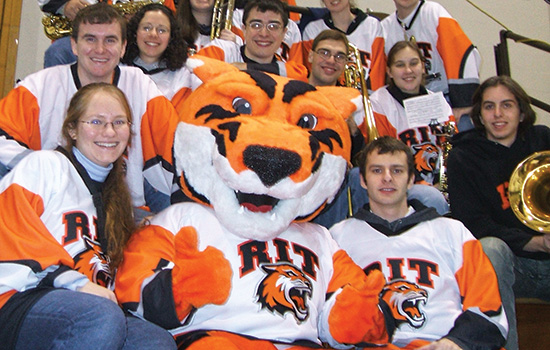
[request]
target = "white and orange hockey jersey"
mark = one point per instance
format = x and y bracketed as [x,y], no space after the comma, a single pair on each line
[231,52]
[452,60]
[48,227]
[32,114]
[278,288]
[439,284]
[175,85]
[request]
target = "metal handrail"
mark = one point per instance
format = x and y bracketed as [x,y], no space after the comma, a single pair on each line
[502,58]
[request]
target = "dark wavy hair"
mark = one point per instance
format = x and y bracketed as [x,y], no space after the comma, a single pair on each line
[175,54]
[523,100]
[119,221]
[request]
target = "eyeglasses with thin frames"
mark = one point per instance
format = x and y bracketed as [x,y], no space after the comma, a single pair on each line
[271,26]
[98,124]
[339,57]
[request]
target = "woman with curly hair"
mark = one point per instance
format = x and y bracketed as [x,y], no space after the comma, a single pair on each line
[156,46]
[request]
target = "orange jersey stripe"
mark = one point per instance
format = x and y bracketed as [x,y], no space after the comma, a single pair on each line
[158,133]
[377,70]
[477,280]
[453,48]
[26,128]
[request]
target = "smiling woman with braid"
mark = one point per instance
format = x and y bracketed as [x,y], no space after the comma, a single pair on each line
[65,219]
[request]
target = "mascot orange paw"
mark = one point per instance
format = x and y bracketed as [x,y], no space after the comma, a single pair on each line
[356,316]
[198,277]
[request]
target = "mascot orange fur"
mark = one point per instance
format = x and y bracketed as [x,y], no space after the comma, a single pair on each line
[243,270]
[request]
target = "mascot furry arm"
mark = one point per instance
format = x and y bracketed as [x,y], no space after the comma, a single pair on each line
[242,269]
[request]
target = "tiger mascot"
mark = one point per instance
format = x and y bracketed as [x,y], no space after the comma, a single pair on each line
[241,268]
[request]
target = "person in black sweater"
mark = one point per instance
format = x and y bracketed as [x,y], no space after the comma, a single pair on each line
[479,168]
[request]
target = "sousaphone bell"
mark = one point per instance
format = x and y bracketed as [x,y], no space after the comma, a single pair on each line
[529,191]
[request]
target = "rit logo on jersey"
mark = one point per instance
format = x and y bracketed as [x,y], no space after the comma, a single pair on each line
[285,288]
[91,261]
[77,226]
[405,298]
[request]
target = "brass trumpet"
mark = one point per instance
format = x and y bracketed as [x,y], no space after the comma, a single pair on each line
[222,17]
[354,75]
[56,26]
[529,191]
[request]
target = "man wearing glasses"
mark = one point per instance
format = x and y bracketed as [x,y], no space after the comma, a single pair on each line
[328,58]
[264,27]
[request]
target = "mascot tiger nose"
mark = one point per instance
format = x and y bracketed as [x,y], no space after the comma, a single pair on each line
[271,164]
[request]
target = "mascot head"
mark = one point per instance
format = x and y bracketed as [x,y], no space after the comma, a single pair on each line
[261,149]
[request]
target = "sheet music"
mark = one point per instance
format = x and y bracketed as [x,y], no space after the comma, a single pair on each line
[421,110]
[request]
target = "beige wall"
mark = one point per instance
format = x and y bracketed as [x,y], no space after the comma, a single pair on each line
[530,18]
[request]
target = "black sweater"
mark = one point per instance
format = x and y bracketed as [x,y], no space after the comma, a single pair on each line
[478,172]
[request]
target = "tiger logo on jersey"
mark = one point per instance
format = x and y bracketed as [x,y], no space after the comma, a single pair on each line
[284,289]
[426,159]
[406,300]
[93,263]
[261,149]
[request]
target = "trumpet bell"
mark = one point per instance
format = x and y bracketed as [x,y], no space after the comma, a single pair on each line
[529,191]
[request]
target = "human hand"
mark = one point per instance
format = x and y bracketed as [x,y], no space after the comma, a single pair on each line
[95,289]
[538,244]
[228,35]
[72,7]
[546,242]
[441,344]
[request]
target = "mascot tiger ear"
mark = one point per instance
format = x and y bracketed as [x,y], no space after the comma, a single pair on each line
[262,150]
[348,101]
[206,68]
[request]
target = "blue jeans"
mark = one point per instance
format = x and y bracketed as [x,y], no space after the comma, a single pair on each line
[64,319]
[154,199]
[465,123]
[511,279]
[59,52]
[339,208]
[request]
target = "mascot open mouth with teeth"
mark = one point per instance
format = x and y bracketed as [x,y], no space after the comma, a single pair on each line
[262,154]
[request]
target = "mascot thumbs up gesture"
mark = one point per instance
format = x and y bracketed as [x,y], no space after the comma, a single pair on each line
[241,268]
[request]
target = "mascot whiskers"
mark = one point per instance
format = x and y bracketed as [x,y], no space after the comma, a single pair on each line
[241,268]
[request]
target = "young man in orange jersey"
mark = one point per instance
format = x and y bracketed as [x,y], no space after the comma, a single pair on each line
[441,287]
[264,27]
